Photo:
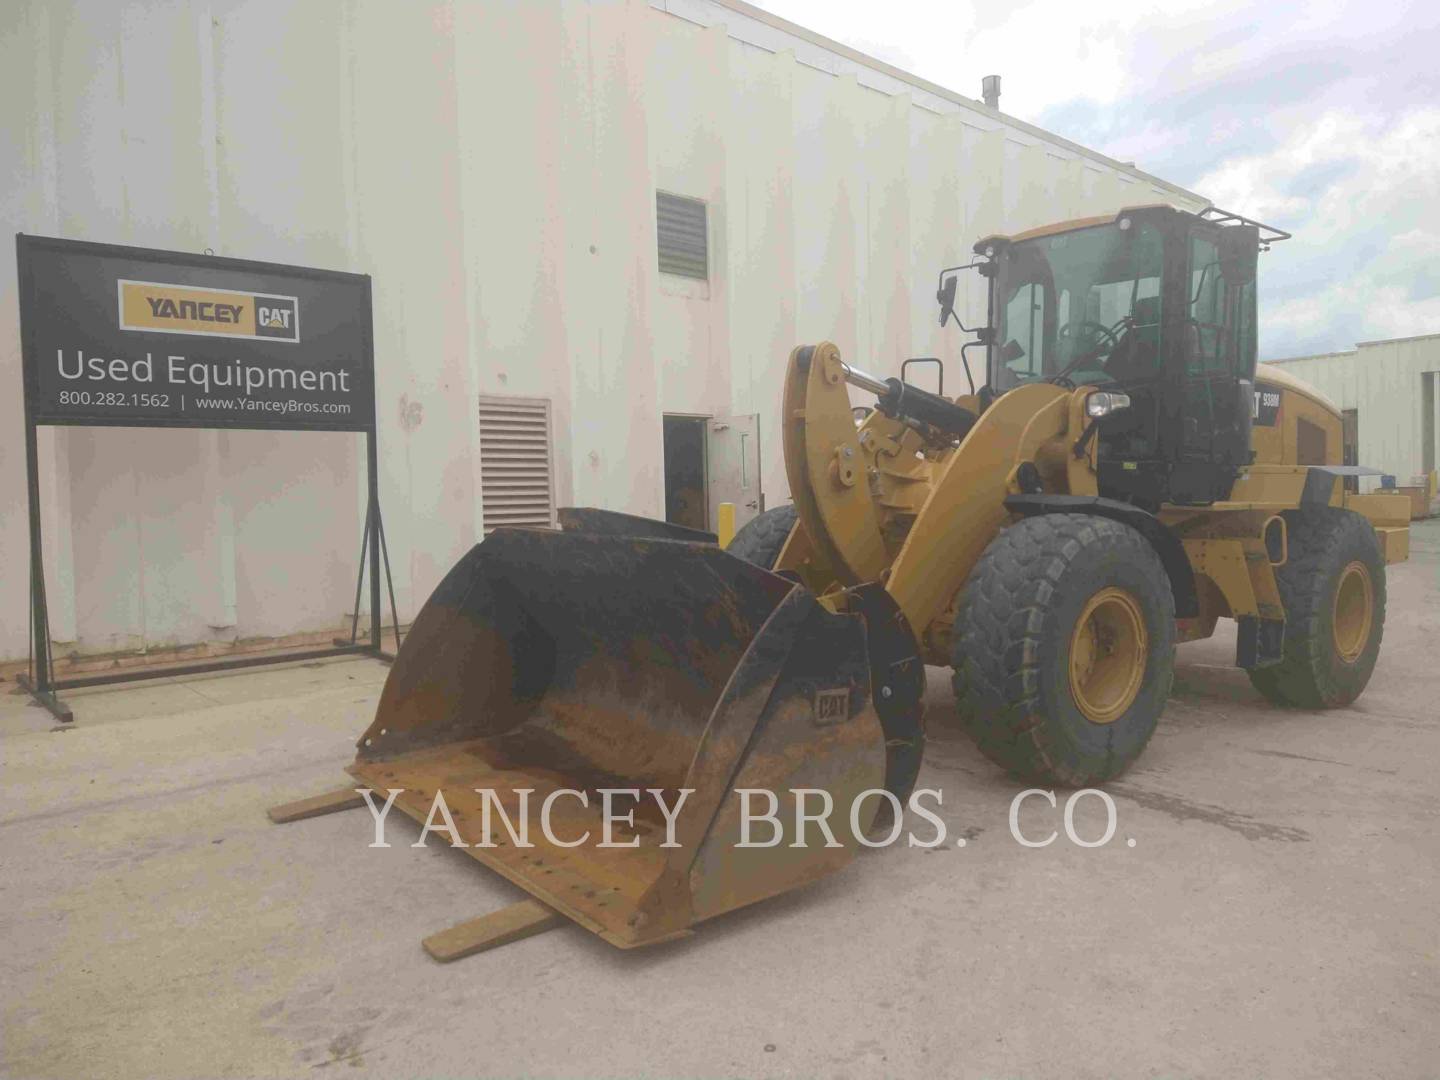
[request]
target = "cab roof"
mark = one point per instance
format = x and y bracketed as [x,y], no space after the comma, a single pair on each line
[1073,224]
[1266,234]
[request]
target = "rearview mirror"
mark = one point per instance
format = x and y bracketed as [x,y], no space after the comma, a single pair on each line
[946,297]
[1238,247]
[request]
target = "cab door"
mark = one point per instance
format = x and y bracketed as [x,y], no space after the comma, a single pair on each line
[1218,346]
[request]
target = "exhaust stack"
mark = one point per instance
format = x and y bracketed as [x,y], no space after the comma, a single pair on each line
[990,90]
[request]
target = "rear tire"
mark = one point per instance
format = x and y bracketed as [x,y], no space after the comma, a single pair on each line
[763,537]
[1333,589]
[1064,648]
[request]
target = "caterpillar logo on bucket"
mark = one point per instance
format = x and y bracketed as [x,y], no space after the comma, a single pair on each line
[184,309]
[832,706]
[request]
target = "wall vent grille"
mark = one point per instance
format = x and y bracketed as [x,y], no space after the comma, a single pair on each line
[516,462]
[680,229]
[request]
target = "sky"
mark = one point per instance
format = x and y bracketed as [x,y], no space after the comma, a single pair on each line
[1321,117]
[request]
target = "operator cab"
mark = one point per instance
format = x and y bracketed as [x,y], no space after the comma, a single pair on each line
[1153,303]
[1081,305]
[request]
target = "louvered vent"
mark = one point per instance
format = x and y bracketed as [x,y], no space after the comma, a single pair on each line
[680,228]
[515,481]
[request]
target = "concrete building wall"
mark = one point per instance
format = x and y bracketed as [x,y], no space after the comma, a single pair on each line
[1393,388]
[494,166]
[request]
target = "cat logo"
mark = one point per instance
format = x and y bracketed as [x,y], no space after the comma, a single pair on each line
[832,706]
[158,308]
[275,317]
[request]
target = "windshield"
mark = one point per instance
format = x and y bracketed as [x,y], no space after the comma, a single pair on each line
[1085,304]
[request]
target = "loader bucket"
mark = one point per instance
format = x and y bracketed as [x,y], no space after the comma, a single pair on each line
[585,661]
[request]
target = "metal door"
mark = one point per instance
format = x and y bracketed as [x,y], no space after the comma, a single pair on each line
[732,450]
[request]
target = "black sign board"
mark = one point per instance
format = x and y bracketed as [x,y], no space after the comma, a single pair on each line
[130,337]
[134,337]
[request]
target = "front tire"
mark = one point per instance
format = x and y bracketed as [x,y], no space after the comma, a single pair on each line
[1064,648]
[761,539]
[1333,589]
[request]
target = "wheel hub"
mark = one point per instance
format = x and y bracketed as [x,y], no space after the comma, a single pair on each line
[1108,648]
[1353,612]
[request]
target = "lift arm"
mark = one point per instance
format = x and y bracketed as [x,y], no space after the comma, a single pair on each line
[829,473]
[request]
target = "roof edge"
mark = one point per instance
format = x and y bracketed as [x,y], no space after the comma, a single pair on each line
[1357,347]
[1310,356]
[776,22]
[1398,340]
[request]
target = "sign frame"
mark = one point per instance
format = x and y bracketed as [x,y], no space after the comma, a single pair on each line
[363,420]
[39,679]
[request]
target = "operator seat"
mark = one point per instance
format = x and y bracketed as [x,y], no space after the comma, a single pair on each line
[1136,355]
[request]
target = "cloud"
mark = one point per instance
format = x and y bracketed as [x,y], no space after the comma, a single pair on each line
[1315,116]
[1361,195]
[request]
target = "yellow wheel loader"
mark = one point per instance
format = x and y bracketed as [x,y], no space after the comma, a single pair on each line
[1123,478]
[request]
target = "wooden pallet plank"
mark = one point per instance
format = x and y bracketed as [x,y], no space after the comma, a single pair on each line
[519,920]
[328,803]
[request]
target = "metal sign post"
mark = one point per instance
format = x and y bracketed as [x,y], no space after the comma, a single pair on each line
[117,336]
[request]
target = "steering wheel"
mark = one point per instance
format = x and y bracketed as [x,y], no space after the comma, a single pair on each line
[1111,338]
[1111,342]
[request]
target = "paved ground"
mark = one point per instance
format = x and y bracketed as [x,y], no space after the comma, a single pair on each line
[1279,914]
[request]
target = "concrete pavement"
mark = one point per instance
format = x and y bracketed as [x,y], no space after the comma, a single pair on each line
[1278,914]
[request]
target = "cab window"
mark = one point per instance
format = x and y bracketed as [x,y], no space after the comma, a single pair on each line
[1083,305]
[1024,352]
[1210,349]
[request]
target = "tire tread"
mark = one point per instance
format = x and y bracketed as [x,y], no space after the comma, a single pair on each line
[761,539]
[998,639]
[1319,537]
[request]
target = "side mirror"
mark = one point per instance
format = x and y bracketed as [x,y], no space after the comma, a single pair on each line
[1238,247]
[946,297]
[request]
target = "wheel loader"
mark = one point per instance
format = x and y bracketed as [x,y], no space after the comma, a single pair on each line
[1122,478]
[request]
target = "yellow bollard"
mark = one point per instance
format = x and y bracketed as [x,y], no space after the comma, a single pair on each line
[725,529]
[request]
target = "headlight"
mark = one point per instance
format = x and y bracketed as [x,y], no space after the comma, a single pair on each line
[1104,402]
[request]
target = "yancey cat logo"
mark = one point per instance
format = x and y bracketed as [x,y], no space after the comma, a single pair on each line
[184,309]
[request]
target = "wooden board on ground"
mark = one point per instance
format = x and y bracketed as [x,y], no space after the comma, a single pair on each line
[328,803]
[519,920]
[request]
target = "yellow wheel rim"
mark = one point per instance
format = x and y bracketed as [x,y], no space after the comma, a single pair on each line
[1107,655]
[1354,611]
